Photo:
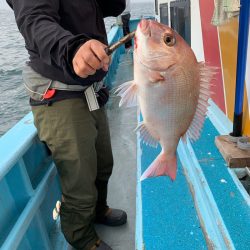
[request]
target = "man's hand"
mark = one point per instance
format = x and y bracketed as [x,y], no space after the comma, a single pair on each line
[89,58]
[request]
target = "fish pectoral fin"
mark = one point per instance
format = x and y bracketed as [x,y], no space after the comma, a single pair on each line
[161,166]
[128,93]
[146,137]
[206,74]
[155,76]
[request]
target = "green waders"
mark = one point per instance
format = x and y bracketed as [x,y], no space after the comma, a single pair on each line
[80,144]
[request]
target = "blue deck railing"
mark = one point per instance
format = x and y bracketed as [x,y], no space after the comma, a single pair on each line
[114,35]
[206,207]
[26,175]
[29,187]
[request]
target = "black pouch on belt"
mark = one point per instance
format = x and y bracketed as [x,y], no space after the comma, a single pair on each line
[102,96]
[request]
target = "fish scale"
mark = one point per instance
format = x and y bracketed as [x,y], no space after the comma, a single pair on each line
[172,90]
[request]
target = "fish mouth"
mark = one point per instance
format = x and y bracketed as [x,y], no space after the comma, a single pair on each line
[145,27]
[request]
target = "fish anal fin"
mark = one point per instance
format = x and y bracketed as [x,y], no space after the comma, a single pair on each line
[206,74]
[161,166]
[128,93]
[145,135]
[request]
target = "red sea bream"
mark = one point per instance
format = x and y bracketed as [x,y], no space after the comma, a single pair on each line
[172,90]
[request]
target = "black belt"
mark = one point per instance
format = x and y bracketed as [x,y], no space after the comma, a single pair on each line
[102,97]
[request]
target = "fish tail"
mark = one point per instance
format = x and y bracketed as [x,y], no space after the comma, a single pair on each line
[161,166]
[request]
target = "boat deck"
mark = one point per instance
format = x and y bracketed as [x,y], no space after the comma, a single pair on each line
[206,207]
[122,186]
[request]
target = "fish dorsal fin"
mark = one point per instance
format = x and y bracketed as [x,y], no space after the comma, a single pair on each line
[146,137]
[128,93]
[206,74]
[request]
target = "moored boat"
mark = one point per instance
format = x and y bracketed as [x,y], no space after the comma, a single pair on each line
[207,207]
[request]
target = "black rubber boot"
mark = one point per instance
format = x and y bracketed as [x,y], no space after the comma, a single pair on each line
[113,218]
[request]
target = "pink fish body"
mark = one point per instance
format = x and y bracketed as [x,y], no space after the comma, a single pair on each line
[172,90]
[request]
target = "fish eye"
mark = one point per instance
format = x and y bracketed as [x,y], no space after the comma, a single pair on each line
[169,40]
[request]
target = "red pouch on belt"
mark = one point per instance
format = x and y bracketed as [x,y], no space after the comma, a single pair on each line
[49,94]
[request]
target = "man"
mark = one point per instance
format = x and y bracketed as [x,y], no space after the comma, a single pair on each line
[66,41]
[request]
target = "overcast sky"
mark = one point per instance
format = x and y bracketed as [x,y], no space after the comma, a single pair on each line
[4,5]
